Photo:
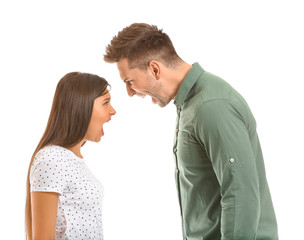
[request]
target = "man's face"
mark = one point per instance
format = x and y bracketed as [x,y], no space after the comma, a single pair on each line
[142,82]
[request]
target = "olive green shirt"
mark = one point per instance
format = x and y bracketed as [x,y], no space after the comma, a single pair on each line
[220,174]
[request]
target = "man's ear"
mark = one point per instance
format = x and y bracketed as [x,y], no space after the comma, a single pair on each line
[154,68]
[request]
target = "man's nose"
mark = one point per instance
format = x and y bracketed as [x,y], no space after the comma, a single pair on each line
[130,91]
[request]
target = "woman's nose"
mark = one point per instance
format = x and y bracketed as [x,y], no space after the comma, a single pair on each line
[113,111]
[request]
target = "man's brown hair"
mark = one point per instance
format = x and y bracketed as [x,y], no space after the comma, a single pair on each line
[140,43]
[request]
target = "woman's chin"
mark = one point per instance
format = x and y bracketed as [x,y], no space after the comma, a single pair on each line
[96,139]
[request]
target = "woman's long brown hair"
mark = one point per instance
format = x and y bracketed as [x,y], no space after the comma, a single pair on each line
[69,119]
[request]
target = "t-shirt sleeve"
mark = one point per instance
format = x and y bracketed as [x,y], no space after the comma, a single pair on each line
[48,172]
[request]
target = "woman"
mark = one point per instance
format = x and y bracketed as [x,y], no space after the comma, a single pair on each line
[63,197]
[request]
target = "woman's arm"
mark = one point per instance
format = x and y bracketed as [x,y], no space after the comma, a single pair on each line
[44,215]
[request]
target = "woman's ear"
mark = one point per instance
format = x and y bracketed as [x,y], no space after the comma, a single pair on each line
[154,67]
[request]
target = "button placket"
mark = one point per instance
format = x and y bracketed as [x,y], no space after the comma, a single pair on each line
[177,172]
[176,135]
[176,131]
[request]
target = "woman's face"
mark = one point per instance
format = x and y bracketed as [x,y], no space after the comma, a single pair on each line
[102,113]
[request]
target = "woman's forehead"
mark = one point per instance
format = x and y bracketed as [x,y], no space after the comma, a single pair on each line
[105,95]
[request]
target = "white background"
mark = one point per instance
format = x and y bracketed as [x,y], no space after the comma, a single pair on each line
[257,46]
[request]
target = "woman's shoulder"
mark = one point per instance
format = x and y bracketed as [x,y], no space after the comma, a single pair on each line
[55,153]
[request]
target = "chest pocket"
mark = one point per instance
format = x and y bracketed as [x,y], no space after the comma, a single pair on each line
[190,153]
[183,149]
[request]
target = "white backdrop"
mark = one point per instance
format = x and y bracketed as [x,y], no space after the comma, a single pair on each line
[257,46]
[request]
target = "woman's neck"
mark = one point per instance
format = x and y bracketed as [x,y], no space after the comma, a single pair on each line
[76,149]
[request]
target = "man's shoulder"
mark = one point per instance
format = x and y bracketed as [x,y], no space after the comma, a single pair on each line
[211,87]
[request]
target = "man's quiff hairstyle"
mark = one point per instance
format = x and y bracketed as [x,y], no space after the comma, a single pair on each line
[141,43]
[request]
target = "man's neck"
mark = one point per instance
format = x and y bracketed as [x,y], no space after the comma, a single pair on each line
[177,76]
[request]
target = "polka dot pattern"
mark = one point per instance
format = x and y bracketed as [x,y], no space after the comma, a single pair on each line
[79,214]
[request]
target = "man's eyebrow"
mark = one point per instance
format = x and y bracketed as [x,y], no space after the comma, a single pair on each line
[106,99]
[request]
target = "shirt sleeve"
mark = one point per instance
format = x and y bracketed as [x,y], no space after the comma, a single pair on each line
[221,128]
[48,172]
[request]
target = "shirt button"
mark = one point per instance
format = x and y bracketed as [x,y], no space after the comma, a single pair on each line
[178,110]
[175,150]
[231,160]
[176,130]
[176,170]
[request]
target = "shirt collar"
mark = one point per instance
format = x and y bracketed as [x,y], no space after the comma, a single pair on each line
[188,82]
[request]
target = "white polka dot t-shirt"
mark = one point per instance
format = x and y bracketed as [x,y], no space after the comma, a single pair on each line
[57,169]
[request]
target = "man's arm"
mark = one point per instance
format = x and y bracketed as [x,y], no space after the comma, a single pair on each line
[222,130]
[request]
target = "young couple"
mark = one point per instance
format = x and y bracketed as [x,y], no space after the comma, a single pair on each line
[220,175]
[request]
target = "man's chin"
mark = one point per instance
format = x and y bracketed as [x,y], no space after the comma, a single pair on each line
[162,105]
[158,102]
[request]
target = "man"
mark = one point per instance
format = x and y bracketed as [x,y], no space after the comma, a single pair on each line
[220,175]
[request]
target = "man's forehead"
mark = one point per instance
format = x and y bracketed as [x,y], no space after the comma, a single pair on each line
[123,64]
[123,67]
[125,72]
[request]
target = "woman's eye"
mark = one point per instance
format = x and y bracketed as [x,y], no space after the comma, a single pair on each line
[106,103]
